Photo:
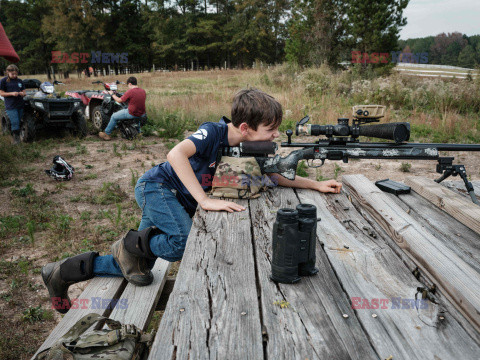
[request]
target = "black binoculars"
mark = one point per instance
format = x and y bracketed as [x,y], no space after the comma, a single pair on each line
[293,241]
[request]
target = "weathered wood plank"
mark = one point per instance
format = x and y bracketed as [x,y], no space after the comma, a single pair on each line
[103,288]
[445,228]
[376,230]
[313,326]
[456,279]
[456,236]
[460,208]
[137,303]
[369,269]
[213,310]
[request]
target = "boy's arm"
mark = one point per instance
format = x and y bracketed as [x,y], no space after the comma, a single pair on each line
[3,90]
[178,158]
[115,97]
[328,186]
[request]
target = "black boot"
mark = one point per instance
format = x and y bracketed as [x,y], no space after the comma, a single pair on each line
[132,254]
[58,276]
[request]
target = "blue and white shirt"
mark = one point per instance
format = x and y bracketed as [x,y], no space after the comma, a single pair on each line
[14,85]
[208,139]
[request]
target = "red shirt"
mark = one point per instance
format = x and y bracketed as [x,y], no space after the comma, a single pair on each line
[136,97]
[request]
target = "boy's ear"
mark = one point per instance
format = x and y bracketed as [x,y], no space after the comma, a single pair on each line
[244,128]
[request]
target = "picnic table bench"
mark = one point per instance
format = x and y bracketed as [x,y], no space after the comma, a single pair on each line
[377,254]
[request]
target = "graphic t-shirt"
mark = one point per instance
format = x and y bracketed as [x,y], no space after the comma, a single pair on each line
[14,85]
[208,139]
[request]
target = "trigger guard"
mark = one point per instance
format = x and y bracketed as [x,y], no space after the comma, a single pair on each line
[315,166]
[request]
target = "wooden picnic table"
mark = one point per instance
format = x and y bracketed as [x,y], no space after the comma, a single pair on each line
[370,245]
[372,248]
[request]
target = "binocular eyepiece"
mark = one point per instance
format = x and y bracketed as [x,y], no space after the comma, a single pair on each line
[293,242]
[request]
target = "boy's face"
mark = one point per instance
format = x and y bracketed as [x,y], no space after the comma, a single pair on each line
[12,74]
[263,133]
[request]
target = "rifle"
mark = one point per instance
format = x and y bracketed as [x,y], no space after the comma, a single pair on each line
[341,143]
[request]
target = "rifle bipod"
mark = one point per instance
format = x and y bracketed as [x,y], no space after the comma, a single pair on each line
[446,168]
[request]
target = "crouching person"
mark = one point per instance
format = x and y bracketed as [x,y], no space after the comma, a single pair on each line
[169,193]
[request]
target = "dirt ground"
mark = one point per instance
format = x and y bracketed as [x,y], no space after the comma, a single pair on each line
[120,162]
[96,163]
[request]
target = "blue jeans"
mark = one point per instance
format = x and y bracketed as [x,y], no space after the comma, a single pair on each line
[160,208]
[15,115]
[119,115]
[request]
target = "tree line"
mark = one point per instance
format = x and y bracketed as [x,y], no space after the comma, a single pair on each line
[454,49]
[199,34]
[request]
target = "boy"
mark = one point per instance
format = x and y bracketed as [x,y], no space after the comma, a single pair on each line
[168,195]
[136,107]
[13,90]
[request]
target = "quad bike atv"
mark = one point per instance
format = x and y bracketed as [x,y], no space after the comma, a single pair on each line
[92,103]
[100,107]
[86,96]
[43,108]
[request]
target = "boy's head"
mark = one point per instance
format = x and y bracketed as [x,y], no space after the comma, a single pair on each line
[12,71]
[132,80]
[258,110]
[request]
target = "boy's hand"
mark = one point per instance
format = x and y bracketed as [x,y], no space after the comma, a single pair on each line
[218,205]
[329,186]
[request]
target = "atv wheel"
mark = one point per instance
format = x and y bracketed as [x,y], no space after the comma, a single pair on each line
[80,124]
[27,129]
[5,125]
[99,119]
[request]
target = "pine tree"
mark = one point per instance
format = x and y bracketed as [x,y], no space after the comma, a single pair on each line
[467,56]
[373,26]
[316,30]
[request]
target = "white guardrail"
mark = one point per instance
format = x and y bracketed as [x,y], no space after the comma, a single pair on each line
[442,70]
[433,66]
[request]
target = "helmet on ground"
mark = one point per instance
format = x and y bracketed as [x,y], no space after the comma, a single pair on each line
[47,87]
[61,170]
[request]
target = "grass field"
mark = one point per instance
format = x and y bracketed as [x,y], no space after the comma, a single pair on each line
[42,220]
[444,110]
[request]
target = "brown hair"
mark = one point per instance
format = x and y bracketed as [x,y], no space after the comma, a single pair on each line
[11,67]
[132,80]
[254,107]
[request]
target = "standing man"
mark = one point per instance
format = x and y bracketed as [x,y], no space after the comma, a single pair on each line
[13,90]
[136,106]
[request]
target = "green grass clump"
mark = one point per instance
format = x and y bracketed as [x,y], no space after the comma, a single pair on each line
[302,169]
[405,167]
[168,125]
[110,193]
[35,314]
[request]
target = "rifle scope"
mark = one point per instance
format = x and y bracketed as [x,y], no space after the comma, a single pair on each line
[399,132]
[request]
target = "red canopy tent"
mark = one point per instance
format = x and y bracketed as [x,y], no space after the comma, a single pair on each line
[6,49]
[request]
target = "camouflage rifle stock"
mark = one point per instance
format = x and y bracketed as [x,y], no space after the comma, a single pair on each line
[341,143]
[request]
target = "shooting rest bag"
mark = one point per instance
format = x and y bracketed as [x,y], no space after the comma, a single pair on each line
[239,178]
[120,342]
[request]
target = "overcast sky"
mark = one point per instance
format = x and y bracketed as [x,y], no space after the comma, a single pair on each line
[432,17]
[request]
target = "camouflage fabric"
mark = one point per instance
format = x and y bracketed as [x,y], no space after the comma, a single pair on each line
[122,342]
[239,178]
